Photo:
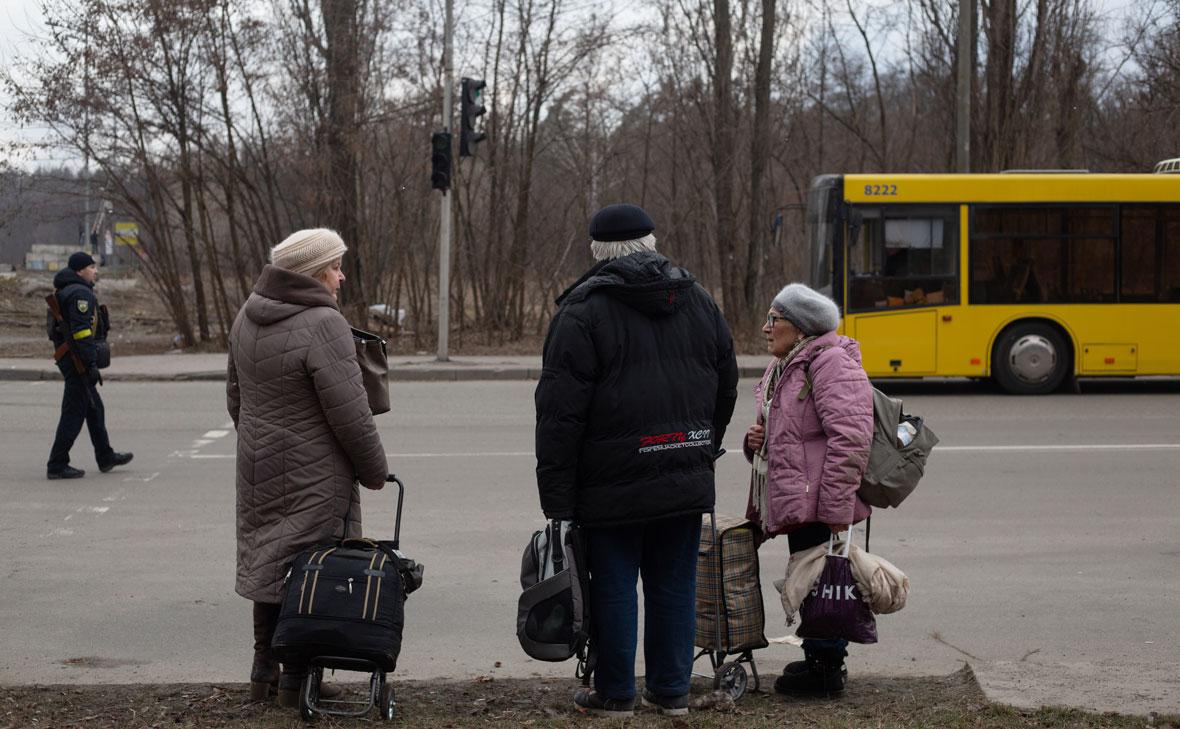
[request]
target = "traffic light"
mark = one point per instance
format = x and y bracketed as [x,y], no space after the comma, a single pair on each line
[470,107]
[440,160]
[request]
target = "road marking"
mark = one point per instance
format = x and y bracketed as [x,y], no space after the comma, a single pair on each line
[939,449]
[485,454]
[482,454]
[201,443]
[142,479]
[1069,447]
[216,434]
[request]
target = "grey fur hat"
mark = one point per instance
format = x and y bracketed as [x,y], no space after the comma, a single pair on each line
[809,310]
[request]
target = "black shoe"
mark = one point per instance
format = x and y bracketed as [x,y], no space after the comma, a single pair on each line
[65,472]
[116,459]
[666,705]
[589,702]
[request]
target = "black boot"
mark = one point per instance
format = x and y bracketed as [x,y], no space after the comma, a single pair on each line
[801,667]
[823,674]
[264,673]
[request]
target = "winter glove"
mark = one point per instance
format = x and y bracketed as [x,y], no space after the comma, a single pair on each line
[95,376]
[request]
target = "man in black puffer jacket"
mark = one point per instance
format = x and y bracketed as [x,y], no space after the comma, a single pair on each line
[638,384]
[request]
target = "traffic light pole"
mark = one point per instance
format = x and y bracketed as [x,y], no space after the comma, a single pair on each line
[444,226]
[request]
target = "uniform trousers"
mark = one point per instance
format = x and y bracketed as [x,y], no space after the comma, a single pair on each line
[80,403]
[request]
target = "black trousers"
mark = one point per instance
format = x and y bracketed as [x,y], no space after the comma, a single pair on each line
[806,537]
[80,403]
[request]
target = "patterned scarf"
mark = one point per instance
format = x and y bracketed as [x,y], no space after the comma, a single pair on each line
[760,495]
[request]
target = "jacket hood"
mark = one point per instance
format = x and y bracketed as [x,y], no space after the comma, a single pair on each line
[68,276]
[280,294]
[644,281]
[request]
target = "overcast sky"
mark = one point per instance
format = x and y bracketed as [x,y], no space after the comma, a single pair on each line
[20,25]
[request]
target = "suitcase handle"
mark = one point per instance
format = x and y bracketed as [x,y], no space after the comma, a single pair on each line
[401,495]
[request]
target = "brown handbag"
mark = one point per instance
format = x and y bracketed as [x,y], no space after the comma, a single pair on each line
[372,357]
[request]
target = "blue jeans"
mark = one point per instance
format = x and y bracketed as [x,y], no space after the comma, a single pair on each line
[664,552]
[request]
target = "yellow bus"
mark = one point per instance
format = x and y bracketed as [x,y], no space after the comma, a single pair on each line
[1033,279]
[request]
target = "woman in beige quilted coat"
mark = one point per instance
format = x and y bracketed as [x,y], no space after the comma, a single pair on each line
[305,432]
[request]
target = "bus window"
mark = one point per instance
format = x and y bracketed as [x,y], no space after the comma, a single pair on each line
[1042,254]
[823,200]
[904,256]
[1150,253]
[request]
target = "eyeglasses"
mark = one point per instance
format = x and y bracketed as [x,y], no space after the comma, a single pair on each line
[771,319]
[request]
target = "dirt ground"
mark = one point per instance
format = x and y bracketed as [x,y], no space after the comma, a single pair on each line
[140,324]
[950,701]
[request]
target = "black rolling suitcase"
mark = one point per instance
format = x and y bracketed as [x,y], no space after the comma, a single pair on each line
[343,609]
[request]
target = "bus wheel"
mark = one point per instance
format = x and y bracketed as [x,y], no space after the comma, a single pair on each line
[1031,359]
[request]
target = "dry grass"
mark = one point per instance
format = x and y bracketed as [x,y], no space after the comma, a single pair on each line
[946,702]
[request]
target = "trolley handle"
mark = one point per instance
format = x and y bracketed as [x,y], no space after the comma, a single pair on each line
[401,495]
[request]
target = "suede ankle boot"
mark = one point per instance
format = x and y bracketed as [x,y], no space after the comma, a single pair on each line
[264,672]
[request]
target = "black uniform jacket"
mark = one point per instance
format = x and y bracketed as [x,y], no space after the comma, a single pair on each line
[79,307]
[637,387]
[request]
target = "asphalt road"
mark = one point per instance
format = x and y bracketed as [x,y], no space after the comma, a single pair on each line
[1042,545]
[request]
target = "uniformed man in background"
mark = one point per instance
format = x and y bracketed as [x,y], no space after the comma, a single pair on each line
[83,331]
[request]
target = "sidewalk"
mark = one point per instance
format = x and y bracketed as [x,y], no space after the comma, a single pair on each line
[420,368]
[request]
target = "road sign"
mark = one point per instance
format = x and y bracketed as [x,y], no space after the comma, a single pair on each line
[127,234]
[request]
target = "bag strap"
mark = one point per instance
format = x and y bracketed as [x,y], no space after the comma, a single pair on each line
[807,374]
[366,543]
[847,543]
[556,545]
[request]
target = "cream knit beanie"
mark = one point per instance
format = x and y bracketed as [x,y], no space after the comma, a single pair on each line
[307,251]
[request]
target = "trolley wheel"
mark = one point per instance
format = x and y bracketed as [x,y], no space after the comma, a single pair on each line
[309,693]
[388,703]
[732,679]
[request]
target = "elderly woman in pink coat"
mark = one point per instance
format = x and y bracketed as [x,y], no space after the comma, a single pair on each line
[809,445]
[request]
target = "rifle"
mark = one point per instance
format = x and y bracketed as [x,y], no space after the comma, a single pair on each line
[68,346]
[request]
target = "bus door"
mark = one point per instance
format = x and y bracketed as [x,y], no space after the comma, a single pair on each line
[901,269]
